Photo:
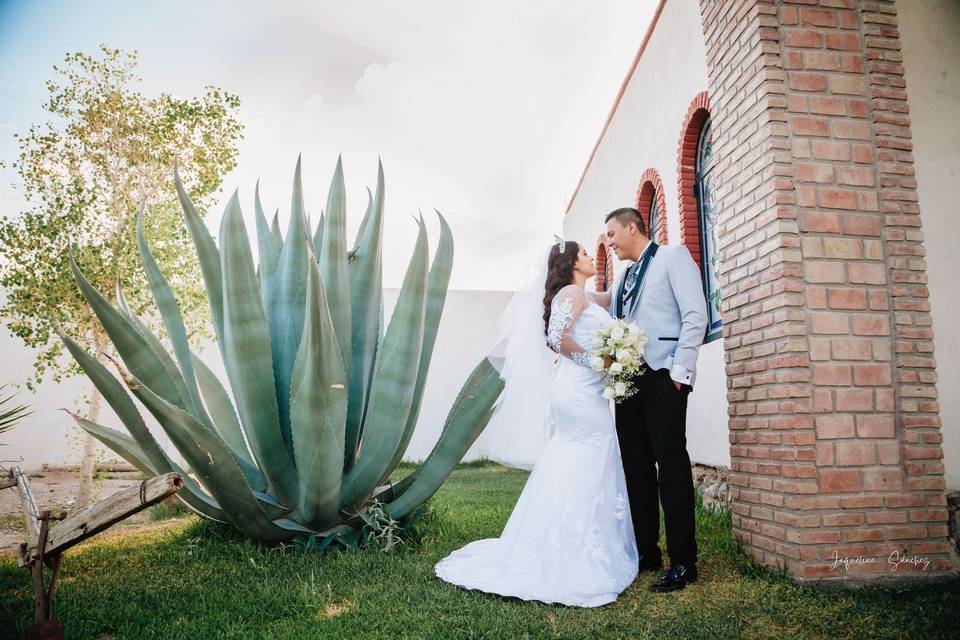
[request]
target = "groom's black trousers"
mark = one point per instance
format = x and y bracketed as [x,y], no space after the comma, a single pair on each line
[651,427]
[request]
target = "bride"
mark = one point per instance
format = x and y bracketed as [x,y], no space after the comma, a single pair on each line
[569,539]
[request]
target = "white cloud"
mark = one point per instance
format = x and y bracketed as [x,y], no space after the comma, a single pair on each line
[486,111]
[373,78]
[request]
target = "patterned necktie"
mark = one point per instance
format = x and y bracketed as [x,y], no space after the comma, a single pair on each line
[629,280]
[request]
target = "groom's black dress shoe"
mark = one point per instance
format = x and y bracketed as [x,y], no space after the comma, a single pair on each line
[649,563]
[678,577]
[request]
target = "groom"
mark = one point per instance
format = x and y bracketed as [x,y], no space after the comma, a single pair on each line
[661,292]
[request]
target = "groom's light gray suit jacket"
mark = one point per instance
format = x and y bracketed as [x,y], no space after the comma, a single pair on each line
[671,309]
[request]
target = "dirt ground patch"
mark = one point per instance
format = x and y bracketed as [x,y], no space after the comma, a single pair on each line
[54,489]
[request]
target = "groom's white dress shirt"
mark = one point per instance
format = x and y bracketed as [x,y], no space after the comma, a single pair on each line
[671,309]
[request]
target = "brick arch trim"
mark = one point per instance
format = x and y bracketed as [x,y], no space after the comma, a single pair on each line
[652,187]
[604,265]
[697,114]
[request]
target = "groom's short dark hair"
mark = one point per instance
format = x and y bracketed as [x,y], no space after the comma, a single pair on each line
[625,215]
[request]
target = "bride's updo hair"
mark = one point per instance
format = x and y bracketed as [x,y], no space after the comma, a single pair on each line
[559,274]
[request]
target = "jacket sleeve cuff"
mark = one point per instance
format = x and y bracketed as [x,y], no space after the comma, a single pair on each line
[680,374]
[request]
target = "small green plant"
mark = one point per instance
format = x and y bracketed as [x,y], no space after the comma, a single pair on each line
[379,529]
[11,415]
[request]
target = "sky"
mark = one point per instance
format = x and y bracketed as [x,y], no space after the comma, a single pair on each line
[486,111]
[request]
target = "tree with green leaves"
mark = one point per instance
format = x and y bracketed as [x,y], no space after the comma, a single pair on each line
[105,149]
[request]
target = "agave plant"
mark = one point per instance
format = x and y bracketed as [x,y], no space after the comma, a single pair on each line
[322,400]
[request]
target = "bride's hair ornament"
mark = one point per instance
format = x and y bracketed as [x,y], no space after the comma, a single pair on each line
[561,243]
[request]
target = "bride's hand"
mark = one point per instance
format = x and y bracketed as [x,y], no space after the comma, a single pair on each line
[607,361]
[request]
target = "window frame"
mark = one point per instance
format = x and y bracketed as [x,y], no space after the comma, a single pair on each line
[703,183]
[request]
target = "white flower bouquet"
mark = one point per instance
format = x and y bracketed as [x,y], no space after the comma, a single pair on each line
[623,344]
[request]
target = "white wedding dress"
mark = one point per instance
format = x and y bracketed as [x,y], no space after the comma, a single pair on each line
[570,538]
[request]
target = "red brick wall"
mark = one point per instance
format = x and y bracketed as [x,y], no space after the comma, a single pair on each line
[921,515]
[835,434]
[604,265]
[652,187]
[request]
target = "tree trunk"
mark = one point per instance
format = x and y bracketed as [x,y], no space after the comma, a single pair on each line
[88,456]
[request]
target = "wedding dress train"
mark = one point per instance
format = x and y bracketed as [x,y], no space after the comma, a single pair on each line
[570,538]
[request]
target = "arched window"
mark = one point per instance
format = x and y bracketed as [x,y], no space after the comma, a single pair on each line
[655,220]
[604,265]
[707,216]
[696,183]
[652,205]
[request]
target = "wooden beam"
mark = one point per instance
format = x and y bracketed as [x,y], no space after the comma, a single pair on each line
[101,515]
[30,512]
[111,467]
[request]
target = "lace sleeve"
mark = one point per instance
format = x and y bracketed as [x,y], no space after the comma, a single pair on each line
[602,298]
[564,311]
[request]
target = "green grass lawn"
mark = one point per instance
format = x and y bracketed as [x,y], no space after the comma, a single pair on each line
[191,579]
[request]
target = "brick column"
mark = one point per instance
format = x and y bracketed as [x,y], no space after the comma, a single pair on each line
[835,439]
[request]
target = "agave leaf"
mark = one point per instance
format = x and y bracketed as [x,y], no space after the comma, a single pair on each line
[172,320]
[437,283]
[394,379]
[128,449]
[275,231]
[131,346]
[363,227]
[221,410]
[287,303]
[319,411]
[291,527]
[271,506]
[159,351]
[208,256]
[334,268]
[467,418]
[213,462]
[250,469]
[121,443]
[121,403]
[268,250]
[366,298]
[249,362]
[318,236]
[256,479]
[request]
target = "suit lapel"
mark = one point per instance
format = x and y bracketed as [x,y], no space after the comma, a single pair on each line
[642,277]
[618,300]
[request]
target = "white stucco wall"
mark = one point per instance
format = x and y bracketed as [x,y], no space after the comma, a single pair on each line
[644,133]
[49,436]
[467,333]
[930,37]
